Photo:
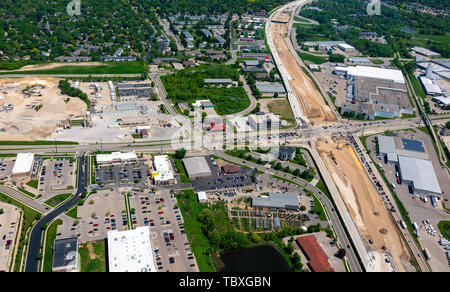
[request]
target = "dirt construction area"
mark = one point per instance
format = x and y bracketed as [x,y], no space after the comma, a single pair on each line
[312,103]
[31,108]
[379,232]
[53,66]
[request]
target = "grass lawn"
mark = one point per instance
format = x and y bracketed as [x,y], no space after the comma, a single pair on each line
[321,186]
[200,244]
[93,257]
[73,212]
[49,241]
[180,169]
[283,109]
[377,61]
[107,68]
[27,193]
[418,89]
[298,159]
[315,59]
[56,200]
[33,184]
[318,209]
[29,216]
[444,228]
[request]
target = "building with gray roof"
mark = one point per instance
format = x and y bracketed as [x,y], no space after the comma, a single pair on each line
[206,32]
[65,255]
[197,167]
[420,175]
[270,88]
[126,106]
[218,81]
[277,201]
[386,145]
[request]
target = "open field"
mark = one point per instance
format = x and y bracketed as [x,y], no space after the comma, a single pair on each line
[366,207]
[49,66]
[80,68]
[281,107]
[312,103]
[26,123]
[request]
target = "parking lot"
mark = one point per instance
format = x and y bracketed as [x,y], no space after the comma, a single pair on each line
[57,174]
[8,228]
[159,211]
[6,166]
[126,175]
[100,213]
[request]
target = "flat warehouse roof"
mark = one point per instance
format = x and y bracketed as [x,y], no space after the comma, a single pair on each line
[130,251]
[386,144]
[24,163]
[276,200]
[420,172]
[373,72]
[196,166]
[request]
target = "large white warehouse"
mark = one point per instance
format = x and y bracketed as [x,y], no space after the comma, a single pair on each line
[131,251]
[371,72]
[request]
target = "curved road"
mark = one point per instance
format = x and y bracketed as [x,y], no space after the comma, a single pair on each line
[34,246]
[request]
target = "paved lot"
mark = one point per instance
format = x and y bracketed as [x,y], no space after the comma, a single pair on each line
[56,175]
[419,211]
[168,237]
[8,230]
[108,207]
[6,166]
[126,175]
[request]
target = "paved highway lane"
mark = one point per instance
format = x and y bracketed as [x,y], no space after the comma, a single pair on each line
[32,264]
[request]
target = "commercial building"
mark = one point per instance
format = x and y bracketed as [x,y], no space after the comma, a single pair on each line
[264,121]
[375,92]
[425,52]
[116,158]
[345,47]
[197,167]
[270,89]
[387,148]
[442,100]
[163,174]
[419,175]
[316,256]
[415,169]
[286,153]
[218,81]
[23,165]
[130,251]
[430,86]
[65,255]
[277,201]
[202,198]
[250,63]
[121,107]
[371,72]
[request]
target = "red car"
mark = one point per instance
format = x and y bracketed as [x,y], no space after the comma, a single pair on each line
[95,225]
[161,212]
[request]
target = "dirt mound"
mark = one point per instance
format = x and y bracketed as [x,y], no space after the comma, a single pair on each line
[37,107]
